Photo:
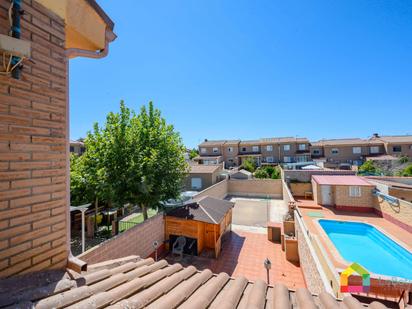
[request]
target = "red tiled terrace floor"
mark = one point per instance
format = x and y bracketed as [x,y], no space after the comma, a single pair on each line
[243,254]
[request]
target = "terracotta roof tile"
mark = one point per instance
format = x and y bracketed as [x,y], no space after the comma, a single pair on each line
[143,283]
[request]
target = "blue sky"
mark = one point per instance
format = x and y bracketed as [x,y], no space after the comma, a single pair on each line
[222,69]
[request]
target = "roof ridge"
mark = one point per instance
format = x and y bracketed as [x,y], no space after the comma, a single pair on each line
[213,220]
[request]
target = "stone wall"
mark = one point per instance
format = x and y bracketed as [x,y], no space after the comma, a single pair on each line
[315,277]
[137,240]
[34,148]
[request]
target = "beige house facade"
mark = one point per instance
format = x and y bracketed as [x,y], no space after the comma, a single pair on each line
[276,150]
[201,177]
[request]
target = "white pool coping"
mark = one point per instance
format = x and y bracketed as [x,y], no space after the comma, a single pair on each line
[338,257]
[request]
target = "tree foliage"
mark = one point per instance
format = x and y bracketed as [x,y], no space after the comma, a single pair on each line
[268,172]
[131,159]
[193,153]
[249,164]
[369,168]
[407,172]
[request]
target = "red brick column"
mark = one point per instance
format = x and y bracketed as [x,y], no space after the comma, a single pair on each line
[33,153]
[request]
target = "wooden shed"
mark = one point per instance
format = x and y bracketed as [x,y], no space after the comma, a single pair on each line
[202,222]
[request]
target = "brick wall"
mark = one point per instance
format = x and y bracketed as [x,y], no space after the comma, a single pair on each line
[33,149]
[135,241]
[256,187]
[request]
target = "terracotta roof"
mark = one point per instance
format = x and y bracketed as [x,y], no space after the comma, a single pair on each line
[197,158]
[394,138]
[208,209]
[348,180]
[212,143]
[254,142]
[343,141]
[132,282]
[203,169]
[284,140]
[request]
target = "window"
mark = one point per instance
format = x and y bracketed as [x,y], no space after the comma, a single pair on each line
[354,191]
[287,159]
[269,148]
[230,149]
[334,151]
[203,150]
[196,183]
[286,147]
[269,159]
[316,151]
[243,148]
[356,150]
[215,150]
[375,149]
[410,147]
[302,146]
[230,160]
[397,148]
[255,148]
[71,149]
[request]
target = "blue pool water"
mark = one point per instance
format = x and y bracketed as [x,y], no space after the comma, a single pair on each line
[364,244]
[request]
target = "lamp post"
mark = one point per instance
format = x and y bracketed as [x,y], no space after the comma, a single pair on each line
[268,265]
[155,246]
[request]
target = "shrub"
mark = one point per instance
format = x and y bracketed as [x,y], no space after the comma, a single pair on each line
[407,172]
[249,164]
[261,173]
[403,159]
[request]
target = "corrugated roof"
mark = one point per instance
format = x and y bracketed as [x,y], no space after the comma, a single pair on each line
[207,209]
[132,282]
[337,180]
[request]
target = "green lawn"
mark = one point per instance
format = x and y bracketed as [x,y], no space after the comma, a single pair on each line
[138,219]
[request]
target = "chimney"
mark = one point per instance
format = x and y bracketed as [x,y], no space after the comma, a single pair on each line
[375,135]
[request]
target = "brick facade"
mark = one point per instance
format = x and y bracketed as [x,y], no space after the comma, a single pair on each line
[135,241]
[33,149]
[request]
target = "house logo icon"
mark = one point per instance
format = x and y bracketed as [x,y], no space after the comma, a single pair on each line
[344,279]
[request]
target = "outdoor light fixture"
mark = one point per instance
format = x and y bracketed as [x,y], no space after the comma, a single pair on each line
[155,246]
[268,265]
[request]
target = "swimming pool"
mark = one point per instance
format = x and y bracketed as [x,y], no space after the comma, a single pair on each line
[366,245]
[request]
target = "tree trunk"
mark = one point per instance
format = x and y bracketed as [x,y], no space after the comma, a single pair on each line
[144,210]
[96,207]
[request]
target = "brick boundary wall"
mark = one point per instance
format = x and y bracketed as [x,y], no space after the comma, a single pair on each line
[137,240]
[33,149]
[255,187]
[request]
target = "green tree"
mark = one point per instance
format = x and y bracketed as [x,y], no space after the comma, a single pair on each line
[193,153]
[407,172]
[157,165]
[276,173]
[369,168]
[261,173]
[249,164]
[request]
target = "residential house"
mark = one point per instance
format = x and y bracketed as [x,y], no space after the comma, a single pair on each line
[395,145]
[263,151]
[202,176]
[347,150]
[77,147]
[34,146]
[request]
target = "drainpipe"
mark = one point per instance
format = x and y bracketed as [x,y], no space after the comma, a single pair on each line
[15,33]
